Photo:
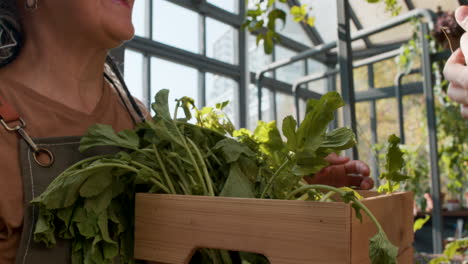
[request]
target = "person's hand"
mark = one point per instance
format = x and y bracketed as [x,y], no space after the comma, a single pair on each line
[455,70]
[343,172]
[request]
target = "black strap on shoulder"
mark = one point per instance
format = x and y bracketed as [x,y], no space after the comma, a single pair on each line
[129,96]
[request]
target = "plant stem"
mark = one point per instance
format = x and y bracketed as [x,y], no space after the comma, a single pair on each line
[205,170]
[192,158]
[163,168]
[272,179]
[341,192]
[327,196]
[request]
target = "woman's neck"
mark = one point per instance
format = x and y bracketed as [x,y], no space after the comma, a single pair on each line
[65,68]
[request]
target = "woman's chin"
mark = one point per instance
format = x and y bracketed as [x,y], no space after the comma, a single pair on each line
[118,37]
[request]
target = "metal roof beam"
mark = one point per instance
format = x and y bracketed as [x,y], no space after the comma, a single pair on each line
[358,25]
[409,4]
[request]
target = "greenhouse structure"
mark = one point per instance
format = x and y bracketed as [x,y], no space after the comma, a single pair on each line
[199,49]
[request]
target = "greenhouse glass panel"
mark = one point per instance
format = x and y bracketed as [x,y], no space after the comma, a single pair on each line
[414,108]
[252,109]
[292,72]
[358,44]
[387,119]
[221,41]
[176,26]
[361,79]
[363,129]
[179,79]
[384,73]
[325,15]
[220,89]
[140,18]
[302,109]
[133,73]
[228,5]
[284,107]
[315,67]
[292,29]
[447,5]
[371,15]
[257,59]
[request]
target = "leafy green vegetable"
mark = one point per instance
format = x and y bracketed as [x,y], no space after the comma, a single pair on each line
[91,203]
[381,250]
[393,166]
[451,249]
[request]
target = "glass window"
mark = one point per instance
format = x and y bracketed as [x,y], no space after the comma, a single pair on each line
[285,107]
[267,106]
[384,73]
[302,109]
[371,15]
[292,29]
[361,79]
[325,18]
[315,67]
[176,26]
[292,72]
[387,119]
[179,79]
[221,41]
[220,89]
[133,74]
[257,59]
[228,5]
[364,132]
[139,18]
[414,113]
[447,5]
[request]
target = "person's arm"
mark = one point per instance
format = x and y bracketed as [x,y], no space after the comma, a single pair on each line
[343,172]
[456,70]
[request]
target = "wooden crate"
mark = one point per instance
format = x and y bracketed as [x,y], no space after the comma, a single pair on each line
[168,228]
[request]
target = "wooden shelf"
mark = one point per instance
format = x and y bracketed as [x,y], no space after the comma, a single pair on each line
[457,213]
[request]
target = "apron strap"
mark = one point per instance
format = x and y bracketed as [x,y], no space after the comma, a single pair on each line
[118,75]
[8,114]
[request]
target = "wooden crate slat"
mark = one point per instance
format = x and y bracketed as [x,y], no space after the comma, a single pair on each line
[284,231]
[395,214]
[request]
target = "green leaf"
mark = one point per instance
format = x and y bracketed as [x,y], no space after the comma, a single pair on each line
[222,105]
[104,135]
[419,223]
[96,184]
[395,160]
[289,131]
[238,184]
[381,250]
[187,105]
[270,3]
[339,139]
[451,248]
[99,204]
[310,21]
[161,105]
[311,135]
[232,150]
[44,229]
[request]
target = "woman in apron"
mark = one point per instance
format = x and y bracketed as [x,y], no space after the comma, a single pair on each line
[56,80]
[54,88]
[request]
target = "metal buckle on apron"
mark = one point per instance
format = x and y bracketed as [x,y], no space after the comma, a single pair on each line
[37,151]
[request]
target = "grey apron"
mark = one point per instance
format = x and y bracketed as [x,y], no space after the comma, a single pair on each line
[36,178]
